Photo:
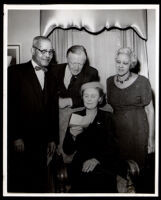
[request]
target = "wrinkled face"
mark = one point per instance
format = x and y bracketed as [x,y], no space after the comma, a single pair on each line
[76,62]
[91,97]
[42,53]
[122,64]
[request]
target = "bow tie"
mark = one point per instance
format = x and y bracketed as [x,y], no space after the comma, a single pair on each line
[37,68]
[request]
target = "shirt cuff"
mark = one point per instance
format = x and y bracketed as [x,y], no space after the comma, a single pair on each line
[70,102]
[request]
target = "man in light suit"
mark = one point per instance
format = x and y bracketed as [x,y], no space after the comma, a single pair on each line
[32,119]
[70,76]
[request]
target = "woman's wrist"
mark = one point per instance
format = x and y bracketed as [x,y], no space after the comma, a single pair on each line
[151,138]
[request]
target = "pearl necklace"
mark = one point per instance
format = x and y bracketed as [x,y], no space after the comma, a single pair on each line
[117,78]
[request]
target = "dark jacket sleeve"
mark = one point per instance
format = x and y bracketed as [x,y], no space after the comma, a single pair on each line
[14,116]
[53,111]
[53,120]
[69,145]
[109,154]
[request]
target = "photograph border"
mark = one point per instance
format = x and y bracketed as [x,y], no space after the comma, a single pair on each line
[5,115]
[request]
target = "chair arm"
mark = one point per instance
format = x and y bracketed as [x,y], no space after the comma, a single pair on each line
[127,185]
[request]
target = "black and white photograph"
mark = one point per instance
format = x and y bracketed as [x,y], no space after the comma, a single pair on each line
[80,100]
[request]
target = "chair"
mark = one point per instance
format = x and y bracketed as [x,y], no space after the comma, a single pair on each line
[124,184]
[127,185]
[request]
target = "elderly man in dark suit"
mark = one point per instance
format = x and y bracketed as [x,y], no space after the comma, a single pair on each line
[32,119]
[70,76]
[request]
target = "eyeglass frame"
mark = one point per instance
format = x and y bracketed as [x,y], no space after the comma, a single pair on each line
[74,64]
[44,51]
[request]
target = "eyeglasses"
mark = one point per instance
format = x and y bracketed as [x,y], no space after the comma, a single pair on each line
[76,64]
[44,51]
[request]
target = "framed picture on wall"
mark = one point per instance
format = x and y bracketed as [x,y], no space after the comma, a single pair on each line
[13,54]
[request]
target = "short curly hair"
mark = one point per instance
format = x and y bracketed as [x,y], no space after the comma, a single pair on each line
[128,51]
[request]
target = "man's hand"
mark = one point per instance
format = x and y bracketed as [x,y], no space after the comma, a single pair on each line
[19,145]
[89,165]
[65,102]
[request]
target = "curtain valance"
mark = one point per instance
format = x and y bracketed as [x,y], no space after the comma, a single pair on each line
[94,20]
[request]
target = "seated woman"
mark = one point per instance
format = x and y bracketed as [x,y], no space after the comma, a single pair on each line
[90,135]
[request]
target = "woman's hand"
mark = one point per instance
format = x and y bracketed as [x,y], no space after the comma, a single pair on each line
[151,145]
[89,165]
[76,130]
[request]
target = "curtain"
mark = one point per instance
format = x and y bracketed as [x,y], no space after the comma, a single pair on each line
[101,48]
[94,20]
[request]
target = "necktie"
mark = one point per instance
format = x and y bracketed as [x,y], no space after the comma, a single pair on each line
[72,80]
[37,68]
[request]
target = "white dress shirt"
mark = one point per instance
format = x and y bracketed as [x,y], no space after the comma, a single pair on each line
[40,74]
[67,76]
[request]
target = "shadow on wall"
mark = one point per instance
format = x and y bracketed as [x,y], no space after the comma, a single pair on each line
[136,69]
[53,60]
[153,99]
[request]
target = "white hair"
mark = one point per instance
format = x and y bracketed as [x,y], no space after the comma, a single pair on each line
[130,53]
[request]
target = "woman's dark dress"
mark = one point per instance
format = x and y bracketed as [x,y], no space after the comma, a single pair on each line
[96,141]
[130,117]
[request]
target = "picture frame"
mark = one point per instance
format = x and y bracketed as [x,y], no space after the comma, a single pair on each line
[13,54]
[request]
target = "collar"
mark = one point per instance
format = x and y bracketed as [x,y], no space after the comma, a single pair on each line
[34,64]
[68,72]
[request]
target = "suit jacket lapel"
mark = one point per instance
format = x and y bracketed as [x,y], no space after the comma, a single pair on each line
[45,90]
[34,81]
[62,74]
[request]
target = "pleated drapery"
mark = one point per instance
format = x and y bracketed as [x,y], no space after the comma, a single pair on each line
[94,21]
[101,48]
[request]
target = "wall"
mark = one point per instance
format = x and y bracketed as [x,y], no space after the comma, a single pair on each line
[151,47]
[23,25]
